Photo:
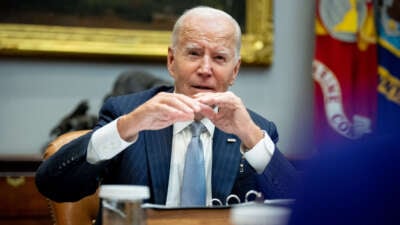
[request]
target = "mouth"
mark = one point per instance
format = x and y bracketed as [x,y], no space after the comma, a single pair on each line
[202,88]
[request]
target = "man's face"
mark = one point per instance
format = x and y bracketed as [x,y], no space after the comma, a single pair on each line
[204,57]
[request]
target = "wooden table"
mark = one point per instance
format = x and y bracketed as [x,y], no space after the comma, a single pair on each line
[215,216]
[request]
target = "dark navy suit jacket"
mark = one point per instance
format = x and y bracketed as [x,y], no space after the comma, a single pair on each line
[67,176]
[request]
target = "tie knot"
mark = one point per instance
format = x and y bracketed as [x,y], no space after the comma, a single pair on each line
[197,128]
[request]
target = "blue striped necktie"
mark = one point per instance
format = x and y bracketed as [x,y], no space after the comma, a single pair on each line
[193,191]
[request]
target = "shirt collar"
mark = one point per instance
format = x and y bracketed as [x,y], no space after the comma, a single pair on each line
[179,126]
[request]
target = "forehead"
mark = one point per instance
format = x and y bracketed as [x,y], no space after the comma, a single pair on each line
[215,32]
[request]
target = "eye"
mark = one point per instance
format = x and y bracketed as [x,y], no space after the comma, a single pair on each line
[220,58]
[193,53]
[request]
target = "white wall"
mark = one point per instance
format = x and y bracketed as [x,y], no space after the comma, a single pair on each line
[35,94]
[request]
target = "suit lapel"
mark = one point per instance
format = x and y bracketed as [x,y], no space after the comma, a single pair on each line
[159,159]
[225,163]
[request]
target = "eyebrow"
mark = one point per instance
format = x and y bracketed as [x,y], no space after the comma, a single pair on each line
[191,46]
[194,46]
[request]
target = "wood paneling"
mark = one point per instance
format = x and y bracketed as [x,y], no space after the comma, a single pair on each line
[21,202]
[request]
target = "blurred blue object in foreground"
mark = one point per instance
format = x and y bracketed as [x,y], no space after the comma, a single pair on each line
[358,183]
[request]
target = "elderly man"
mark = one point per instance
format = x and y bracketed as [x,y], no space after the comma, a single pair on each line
[146,138]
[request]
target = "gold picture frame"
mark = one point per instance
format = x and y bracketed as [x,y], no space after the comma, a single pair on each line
[21,39]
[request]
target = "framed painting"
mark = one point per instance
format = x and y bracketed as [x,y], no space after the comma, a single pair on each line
[121,28]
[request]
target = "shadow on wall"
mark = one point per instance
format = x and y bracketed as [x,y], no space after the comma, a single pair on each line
[127,82]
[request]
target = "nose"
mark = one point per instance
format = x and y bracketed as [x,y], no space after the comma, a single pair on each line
[205,68]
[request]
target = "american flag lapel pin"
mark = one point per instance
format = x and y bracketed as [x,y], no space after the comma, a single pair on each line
[231,140]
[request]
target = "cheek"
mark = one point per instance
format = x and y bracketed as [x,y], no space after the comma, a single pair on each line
[178,70]
[224,77]
[186,70]
[181,75]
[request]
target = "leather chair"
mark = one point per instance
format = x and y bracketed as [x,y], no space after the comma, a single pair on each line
[82,212]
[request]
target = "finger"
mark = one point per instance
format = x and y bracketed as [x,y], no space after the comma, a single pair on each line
[180,102]
[190,102]
[221,99]
[207,111]
[165,116]
[210,99]
[174,114]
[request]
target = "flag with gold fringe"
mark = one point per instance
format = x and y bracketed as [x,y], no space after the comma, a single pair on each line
[344,71]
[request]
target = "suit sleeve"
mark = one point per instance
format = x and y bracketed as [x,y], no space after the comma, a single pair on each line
[67,176]
[279,178]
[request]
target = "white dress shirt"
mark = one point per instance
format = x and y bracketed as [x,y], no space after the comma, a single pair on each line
[106,143]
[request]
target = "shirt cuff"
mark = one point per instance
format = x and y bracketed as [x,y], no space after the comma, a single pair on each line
[260,155]
[106,143]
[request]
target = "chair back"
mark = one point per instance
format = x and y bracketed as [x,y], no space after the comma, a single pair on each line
[82,212]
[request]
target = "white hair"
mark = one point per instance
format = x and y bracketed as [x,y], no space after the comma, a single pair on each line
[207,11]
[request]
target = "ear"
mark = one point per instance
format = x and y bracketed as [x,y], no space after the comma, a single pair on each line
[170,61]
[235,71]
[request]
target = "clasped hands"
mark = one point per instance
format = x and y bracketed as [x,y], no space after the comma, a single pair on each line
[165,109]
